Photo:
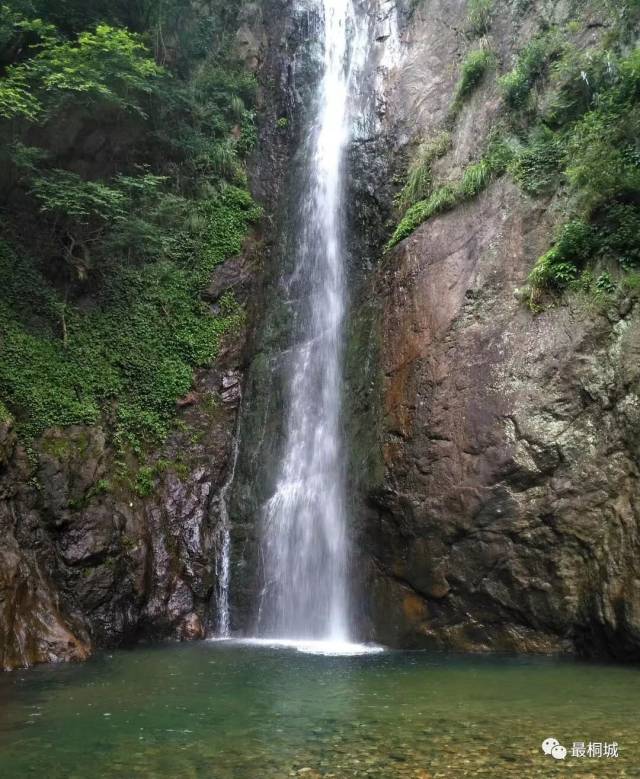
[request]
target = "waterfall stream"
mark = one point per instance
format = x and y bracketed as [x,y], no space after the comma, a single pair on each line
[223,542]
[305,540]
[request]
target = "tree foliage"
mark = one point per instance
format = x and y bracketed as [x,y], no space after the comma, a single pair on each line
[104,255]
[107,64]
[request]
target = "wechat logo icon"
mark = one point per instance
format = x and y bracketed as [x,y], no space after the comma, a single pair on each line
[551,746]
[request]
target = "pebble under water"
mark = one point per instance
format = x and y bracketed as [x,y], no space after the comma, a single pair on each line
[226,711]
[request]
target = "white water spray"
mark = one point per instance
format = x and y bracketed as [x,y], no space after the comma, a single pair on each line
[305,542]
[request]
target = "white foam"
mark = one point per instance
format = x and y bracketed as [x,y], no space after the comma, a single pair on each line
[326,648]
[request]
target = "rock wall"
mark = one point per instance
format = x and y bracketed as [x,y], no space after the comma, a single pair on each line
[495,451]
[86,561]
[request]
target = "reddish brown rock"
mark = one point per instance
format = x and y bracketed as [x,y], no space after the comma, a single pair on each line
[511,485]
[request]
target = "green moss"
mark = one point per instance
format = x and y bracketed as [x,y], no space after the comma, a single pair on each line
[148,475]
[145,481]
[58,447]
[101,487]
[631,283]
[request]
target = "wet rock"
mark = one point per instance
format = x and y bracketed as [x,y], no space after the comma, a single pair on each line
[250,38]
[231,388]
[188,400]
[232,275]
[33,630]
[191,628]
[86,561]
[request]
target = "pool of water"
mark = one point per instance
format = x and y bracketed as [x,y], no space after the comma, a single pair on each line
[226,711]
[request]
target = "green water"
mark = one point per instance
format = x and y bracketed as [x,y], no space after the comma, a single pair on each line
[224,711]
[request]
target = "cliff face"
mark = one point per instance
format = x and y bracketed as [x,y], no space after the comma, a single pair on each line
[494,450]
[84,567]
[107,538]
[503,511]
[508,514]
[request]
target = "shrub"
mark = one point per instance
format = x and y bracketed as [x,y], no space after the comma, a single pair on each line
[604,158]
[602,146]
[537,167]
[474,67]
[594,149]
[604,284]
[109,65]
[419,179]
[559,266]
[531,65]
[479,14]
[574,80]
[618,228]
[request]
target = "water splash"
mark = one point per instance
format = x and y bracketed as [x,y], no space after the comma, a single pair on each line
[310,647]
[305,543]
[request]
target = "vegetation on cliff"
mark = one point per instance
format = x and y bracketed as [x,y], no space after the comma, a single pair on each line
[123,129]
[569,131]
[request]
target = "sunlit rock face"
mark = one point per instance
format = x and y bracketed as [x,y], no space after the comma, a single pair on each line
[507,516]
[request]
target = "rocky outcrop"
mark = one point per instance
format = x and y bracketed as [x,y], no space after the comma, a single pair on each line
[508,513]
[496,450]
[96,553]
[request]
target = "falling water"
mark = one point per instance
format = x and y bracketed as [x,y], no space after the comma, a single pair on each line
[305,544]
[223,545]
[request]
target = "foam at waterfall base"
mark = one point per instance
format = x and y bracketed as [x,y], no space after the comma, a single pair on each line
[328,647]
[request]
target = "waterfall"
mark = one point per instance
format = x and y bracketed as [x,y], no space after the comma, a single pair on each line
[305,541]
[223,543]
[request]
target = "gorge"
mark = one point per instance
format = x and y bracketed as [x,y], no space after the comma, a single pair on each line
[319,388]
[426,309]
